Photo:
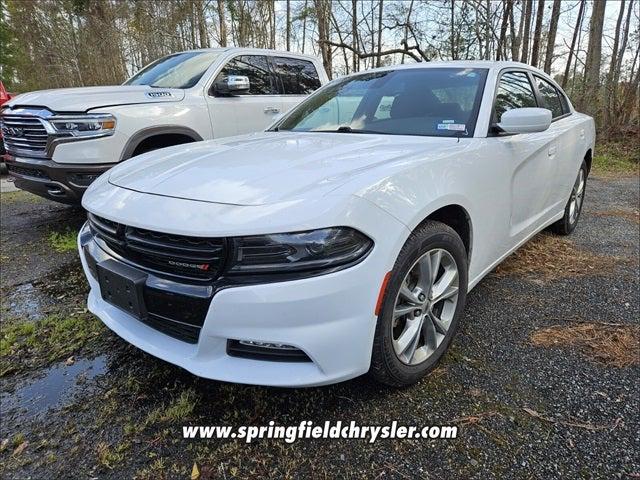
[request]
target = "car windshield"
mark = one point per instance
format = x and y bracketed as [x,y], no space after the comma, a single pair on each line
[414,101]
[182,70]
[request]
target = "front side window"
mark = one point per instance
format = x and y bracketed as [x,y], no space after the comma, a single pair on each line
[414,101]
[550,97]
[514,91]
[296,77]
[256,68]
[182,70]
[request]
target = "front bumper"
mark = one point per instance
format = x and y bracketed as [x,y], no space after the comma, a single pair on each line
[330,318]
[64,183]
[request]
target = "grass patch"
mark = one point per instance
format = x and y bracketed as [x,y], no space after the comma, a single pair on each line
[25,345]
[619,158]
[611,345]
[63,242]
[177,410]
[20,196]
[552,257]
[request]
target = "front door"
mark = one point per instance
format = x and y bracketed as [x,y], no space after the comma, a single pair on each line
[534,158]
[246,113]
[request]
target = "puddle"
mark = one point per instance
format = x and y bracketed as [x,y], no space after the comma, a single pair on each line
[26,302]
[55,389]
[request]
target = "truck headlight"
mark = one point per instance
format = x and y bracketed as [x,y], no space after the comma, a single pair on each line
[311,251]
[84,126]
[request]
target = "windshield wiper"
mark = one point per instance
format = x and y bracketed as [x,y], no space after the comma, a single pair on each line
[348,129]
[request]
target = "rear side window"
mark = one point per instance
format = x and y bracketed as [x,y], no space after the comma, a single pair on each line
[253,66]
[550,97]
[295,77]
[514,91]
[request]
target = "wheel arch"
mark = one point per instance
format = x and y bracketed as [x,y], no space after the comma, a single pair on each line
[458,218]
[150,133]
[588,159]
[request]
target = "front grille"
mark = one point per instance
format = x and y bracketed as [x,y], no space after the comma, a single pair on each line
[181,331]
[24,136]
[177,255]
[28,172]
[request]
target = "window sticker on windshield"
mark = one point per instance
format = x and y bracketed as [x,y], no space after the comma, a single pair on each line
[448,121]
[458,127]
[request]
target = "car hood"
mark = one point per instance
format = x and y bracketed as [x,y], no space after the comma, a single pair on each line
[86,98]
[268,167]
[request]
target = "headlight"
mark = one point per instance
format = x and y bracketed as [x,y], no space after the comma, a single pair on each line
[85,126]
[301,251]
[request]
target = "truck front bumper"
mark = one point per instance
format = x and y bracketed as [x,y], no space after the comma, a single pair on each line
[61,182]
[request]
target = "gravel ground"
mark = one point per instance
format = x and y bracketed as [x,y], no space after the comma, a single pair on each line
[522,411]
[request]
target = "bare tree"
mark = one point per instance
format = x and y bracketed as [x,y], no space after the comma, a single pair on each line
[527,30]
[551,40]
[535,53]
[594,55]
[574,39]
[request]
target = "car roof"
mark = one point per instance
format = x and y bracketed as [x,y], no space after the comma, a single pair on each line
[252,50]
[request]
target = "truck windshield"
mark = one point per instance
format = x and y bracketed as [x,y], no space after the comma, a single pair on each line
[182,70]
[433,101]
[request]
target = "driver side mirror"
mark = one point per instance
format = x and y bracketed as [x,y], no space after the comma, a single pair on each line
[525,120]
[232,85]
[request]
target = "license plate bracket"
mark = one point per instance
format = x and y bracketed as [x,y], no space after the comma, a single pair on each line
[122,287]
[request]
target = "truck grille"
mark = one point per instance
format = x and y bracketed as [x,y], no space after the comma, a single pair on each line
[24,136]
[177,255]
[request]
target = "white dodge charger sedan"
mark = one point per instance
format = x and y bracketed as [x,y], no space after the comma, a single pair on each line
[345,238]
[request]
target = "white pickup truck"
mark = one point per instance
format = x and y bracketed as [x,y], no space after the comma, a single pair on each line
[59,141]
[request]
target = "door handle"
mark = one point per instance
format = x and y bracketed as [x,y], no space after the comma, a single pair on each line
[271,110]
[552,151]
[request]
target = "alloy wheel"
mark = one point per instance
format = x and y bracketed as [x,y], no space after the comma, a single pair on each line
[425,306]
[577,195]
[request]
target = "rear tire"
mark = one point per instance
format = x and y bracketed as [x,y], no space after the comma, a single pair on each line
[429,282]
[572,210]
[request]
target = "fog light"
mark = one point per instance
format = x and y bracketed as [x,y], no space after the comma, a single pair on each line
[278,346]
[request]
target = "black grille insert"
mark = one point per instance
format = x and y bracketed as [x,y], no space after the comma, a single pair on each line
[28,172]
[182,256]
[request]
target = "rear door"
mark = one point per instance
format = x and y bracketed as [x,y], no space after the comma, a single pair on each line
[533,157]
[570,143]
[295,78]
[250,112]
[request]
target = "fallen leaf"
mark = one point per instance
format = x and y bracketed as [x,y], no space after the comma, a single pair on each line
[195,472]
[70,361]
[3,444]
[20,448]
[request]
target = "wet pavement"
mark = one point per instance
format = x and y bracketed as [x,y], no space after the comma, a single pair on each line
[84,404]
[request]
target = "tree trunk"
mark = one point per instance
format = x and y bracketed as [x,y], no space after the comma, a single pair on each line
[354,35]
[567,67]
[527,31]
[551,41]
[535,54]
[222,23]
[611,87]
[512,32]
[379,57]
[288,25]
[487,38]
[508,4]
[594,54]
[322,15]
[453,31]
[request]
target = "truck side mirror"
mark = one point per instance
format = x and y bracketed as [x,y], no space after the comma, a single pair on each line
[232,85]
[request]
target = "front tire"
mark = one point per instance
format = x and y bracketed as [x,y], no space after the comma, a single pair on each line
[572,210]
[421,309]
